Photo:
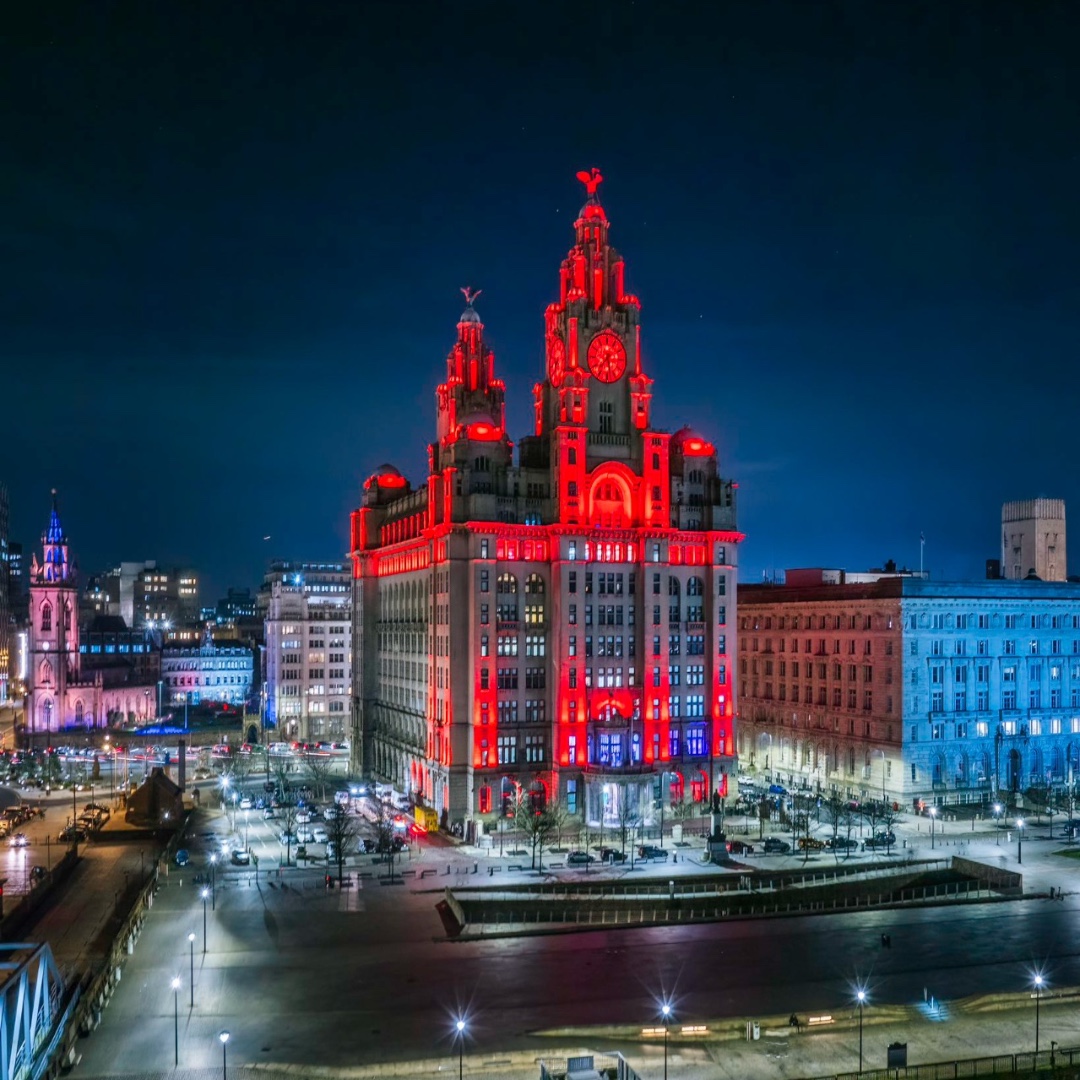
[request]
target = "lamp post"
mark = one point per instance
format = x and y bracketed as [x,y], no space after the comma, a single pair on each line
[213,882]
[665,1012]
[1019,840]
[205,894]
[176,1020]
[224,1037]
[191,943]
[1038,994]
[460,1028]
[933,816]
[861,997]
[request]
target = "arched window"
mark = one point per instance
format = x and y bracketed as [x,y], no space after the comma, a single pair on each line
[45,673]
[46,714]
[46,616]
[78,712]
[534,583]
[695,587]
[506,583]
[673,586]
[67,616]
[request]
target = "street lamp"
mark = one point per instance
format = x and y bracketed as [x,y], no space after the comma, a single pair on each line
[205,894]
[213,882]
[224,1037]
[191,943]
[933,815]
[1039,981]
[1019,840]
[460,1028]
[861,998]
[176,1020]
[665,1012]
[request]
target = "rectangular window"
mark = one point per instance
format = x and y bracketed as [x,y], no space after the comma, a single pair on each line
[571,581]
[484,549]
[484,581]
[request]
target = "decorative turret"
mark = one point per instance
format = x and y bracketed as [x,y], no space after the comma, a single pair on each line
[470,405]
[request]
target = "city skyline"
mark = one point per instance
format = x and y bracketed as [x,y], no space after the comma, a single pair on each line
[828,215]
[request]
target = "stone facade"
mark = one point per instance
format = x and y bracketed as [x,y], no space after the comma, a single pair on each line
[913,689]
[559,622]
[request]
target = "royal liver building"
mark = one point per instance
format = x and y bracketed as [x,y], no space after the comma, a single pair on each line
[559,620]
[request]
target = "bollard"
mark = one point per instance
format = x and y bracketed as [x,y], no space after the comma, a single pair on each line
[476,868]
[671,889]
[491,871]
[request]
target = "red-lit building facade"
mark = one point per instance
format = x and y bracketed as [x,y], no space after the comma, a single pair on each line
[561,623]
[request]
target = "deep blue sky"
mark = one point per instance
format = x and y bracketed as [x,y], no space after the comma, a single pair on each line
[233,235]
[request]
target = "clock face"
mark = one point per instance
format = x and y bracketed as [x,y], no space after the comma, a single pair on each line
[556,360]
[607,357]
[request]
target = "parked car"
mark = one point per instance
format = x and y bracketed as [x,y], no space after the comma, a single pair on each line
[882,840]
[841,843]
[305,834]
[269,814]
[333,811]
[775,846]
[241,857]
[810,843]
[610,854]
[740,847]
[648,851]
[182,857]
[319,835]
[245,803]
[579,858]
[287,838]
[303,816]
[71,832]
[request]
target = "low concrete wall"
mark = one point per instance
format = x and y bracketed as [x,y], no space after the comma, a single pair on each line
[997,877]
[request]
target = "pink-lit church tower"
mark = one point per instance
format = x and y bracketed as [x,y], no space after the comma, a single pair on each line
[58,696]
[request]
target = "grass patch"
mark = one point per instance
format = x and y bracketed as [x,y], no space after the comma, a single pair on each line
[1069,853]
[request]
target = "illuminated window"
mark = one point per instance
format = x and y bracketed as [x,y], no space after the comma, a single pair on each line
[484,645]
[484,549]
[46,617]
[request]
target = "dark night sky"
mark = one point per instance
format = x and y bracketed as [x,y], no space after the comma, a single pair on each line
[233,235]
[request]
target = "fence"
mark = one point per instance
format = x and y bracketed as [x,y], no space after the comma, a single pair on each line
[1016,1065]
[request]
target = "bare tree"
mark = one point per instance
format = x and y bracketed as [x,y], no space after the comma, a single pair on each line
[289,810]
[342,832]
[318,773]
[535,822]
[280,770]
[385,835]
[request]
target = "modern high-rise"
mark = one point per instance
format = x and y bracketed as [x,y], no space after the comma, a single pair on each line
[560,623]
[1033,540]
[308,653]
[144,595]
[910,689]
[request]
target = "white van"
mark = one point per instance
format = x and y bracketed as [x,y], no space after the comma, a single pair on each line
[400,802]
[383,792]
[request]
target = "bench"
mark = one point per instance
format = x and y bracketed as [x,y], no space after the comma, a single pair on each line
[817,1021]
[428,873]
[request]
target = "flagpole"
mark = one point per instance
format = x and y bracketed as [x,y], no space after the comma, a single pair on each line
[922,545]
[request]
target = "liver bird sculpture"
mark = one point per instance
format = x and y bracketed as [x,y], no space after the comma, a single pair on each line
[591,180]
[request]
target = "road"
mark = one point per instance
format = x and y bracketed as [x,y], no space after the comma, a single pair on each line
[310,976]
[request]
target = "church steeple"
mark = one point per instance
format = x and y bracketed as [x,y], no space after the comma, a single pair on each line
[55,566]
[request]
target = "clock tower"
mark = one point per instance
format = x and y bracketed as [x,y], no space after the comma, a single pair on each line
[594,406]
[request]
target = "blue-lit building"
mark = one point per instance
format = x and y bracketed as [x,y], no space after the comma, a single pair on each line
[865,685]
[208,673]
